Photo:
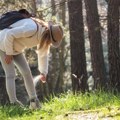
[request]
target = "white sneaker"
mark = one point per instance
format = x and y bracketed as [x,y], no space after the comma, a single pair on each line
[34,104]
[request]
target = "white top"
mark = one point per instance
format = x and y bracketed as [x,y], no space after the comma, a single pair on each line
[23,35]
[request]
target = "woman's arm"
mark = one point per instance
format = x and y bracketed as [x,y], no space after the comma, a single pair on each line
[43,63]
[43,56]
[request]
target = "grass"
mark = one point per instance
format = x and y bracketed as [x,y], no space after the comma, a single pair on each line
[65,104]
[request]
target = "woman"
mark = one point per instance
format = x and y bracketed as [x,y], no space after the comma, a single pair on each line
[27,33]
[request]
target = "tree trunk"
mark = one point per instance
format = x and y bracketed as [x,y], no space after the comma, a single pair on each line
[60,80]
[77,44]
[113,44]
[33,6]
[94,32]
[53,66]
[62,12]
[53,7]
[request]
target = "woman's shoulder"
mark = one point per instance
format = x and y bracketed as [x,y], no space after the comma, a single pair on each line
[23,22]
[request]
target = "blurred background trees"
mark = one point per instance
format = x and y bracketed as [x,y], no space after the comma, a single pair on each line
[89,54]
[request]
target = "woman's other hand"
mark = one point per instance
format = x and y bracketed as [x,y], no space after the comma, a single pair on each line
[8,59]
[43,78]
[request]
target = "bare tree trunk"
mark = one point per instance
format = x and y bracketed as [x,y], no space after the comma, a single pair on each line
[77,43]
[62,11]
[60,80]
[113,44]
[94,32]
[53,7]
[53,66]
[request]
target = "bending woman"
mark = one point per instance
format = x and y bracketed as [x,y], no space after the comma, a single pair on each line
[27,33]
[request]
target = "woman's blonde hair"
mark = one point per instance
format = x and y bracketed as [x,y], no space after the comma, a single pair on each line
[45,38]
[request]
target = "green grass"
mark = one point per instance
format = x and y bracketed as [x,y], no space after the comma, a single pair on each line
[64,104]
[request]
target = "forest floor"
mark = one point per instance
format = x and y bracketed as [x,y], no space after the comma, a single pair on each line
[89,106]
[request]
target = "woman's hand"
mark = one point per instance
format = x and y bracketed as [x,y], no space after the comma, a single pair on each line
[43,78]
[8,59]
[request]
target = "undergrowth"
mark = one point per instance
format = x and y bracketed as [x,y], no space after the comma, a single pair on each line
[62,104]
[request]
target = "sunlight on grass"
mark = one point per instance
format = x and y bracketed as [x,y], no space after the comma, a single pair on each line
[63,104]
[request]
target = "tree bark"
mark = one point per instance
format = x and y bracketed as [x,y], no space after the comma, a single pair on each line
[33,6]
[53,66]
[53,7]
[96,49]
[60,80]
[113,43]
[77,44]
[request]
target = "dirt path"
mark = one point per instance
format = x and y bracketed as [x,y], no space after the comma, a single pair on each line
[87,116]
[91,115]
